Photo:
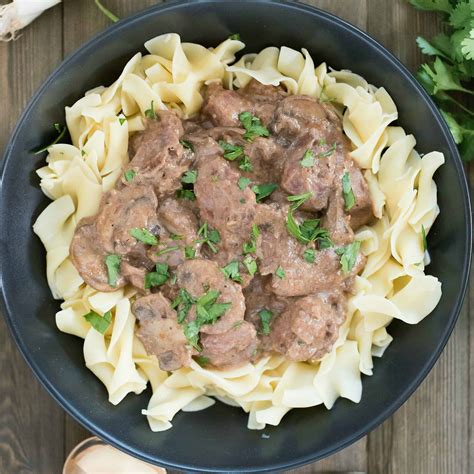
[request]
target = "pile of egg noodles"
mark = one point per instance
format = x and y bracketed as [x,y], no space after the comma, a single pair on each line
[392,285]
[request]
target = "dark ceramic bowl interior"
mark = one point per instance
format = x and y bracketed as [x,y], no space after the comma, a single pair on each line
[217,438]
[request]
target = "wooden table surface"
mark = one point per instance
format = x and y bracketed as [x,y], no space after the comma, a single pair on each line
[432,433]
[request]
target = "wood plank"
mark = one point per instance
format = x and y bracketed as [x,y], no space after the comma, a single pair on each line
[28,415]
[430,433]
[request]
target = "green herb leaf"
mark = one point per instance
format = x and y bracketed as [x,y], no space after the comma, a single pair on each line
[245,164]
[310,255]
[243,183]
[250,265]
[189,253]
[144,235]
[231,271]
[186,194]
[280,273]
[112,262]
[209,236]
[122,120]
[423,236]
[251,246]
[187,145]
[150,113]
[182,303]
[436,5]
[129,175]
[299,199]
[235,37]
[348,256]
[231,152]
[107,12]
[308,159]
[265,316]
[263,190]
[61,129]
[189,177]
[157,278]
[202,360]
[253,126]
[176,237]
[167,250]
[98,322]
[191,332]
[349,198]
[328,152]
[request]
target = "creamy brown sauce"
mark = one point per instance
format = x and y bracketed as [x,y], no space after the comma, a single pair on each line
[198,212]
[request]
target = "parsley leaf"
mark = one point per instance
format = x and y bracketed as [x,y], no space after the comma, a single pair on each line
[186,194]
[349,198]
[348,255]
[61,129]
[231,271]
[263,190]
[243,183]
[245,164]
[157,278]
[265,316]
[187,145]
[280,273]
[122,120]
[98,322]
[182,303]
[202,360]
[150,113]
[167,250]
[251,246]
[144,235]
[235,37]
[189,253]
[129,175]
[189,177]
[112,262]
[209,236]
[231,152]
[253,126]
[308,159]
[439,5]
[250,265]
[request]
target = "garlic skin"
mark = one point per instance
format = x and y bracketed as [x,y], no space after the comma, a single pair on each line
[16,15]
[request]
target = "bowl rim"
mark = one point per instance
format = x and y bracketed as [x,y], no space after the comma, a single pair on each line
[402,70]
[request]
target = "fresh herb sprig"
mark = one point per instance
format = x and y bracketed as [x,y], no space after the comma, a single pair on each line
[253,126]
[449,77]
[209,236]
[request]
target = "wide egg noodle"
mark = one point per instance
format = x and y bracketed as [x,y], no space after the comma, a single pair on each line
[392,284]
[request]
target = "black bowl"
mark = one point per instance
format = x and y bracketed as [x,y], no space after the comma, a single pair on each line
[217,438]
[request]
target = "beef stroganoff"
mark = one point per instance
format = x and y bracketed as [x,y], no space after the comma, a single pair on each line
[236,230]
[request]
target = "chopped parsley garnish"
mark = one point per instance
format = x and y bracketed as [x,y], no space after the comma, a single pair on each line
[235,37]
[253,126]
[208,311]
[308,159]
[231,152]
[122,120]
[348,255]
[265,316]
[328,152]
[349,198]
[189,253]
[245,164]
[176,237]
[202,360]
[309,230]
[250,265]
[98,322]
[189,177]
[209,236]
[309,255]
[182,303]
[423,236]
[83,152]
[280,273]
[61,129]
[263,190]
[144,235]
[187,145]
[112,262]
[129,175]
[150,113]
[231,271]
[251,246]
[243,183]
[186,194]
[157,278]
[167,250]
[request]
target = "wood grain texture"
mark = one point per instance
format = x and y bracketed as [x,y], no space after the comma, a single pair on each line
[431,433]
